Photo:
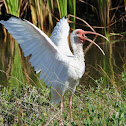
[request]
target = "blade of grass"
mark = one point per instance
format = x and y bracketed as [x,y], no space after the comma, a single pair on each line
[62,7]
[72,10]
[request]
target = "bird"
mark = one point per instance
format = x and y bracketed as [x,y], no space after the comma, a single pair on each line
[59,67]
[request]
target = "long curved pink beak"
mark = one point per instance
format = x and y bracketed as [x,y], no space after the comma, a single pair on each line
[94,33]
[89,32]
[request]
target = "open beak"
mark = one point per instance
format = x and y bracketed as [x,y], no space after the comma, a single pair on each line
[86,38]
[94,44]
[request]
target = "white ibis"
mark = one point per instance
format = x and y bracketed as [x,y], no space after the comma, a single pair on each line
[60,68]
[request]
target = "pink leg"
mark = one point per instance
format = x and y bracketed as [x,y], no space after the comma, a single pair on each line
[61,104]
[70,104]
[61,108]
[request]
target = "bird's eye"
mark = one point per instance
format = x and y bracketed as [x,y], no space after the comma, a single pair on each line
[78,32]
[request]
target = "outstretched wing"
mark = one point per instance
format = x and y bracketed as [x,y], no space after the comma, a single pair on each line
[60,36]
[45,56]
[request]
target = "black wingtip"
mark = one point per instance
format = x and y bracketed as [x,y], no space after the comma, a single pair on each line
[3,8]
[4,16]
[64,17]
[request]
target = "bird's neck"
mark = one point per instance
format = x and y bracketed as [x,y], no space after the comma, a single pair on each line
[78,52]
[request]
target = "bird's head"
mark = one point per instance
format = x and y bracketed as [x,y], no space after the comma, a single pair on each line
[80,37]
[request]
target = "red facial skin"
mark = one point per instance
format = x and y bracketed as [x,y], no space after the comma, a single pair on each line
[81,34]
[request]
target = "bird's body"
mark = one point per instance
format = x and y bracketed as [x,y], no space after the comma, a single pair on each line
[75,67]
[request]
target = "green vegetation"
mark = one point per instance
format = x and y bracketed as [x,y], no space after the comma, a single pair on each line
[31,106]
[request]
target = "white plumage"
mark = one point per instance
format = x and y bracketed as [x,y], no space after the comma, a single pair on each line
[50,56]
[60,36]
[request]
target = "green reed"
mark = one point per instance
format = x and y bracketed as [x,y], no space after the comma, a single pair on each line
[62,7]
[103,7]
[72,9]
[16,67]
[13,6]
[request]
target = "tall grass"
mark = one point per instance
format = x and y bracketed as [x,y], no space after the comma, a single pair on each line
[62,7]
[16,67]
[13,6]
[72,8]
[104,15]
